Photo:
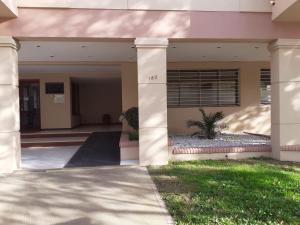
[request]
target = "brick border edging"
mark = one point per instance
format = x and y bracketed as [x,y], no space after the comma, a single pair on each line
[125,142]
[213,150]
[290,148]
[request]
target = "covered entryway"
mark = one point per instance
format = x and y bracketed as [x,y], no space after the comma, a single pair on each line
[77,88]
[144,69]
[168,80]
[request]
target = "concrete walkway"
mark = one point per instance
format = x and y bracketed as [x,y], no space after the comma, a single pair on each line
[108,195]
[40,158]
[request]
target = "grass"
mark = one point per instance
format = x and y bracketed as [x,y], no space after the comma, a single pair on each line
[230,192]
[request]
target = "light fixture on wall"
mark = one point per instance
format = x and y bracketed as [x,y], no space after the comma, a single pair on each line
[272,2]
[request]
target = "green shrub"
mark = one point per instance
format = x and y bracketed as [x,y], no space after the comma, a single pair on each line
[207,125]
[132,118]
[133,136]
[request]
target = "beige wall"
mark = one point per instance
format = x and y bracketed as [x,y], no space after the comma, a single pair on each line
[250,116]
[203,5]
[97,99]
[129,88]
[56,115]
[53,115]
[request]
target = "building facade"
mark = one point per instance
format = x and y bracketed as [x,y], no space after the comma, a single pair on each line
[66,63]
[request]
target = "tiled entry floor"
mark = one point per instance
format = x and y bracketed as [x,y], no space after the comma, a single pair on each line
[53,149]
[47,157]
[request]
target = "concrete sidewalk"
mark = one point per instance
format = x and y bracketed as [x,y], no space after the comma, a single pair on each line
[41,158]
[93,196]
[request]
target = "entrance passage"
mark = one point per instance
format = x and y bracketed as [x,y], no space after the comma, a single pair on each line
[100,149]
[30,104]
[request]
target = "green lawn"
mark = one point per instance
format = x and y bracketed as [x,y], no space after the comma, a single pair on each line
[230,192]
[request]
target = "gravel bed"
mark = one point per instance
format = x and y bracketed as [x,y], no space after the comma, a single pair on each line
[222,140]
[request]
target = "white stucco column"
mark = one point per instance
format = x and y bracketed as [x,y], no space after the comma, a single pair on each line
[10,148]
[285,63]
[152,98]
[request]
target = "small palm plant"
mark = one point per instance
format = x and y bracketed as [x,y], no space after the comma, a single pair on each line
[207,125]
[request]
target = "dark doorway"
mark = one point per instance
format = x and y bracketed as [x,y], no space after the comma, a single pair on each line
[30,104]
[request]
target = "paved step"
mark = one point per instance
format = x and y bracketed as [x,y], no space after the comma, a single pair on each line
[54,135]
[45,140]
[51,144]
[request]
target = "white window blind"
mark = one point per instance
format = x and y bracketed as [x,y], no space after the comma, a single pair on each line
[203,88]
[265,86]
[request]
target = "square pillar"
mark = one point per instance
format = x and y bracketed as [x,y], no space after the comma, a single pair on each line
[152,100]
[10,147]
[285,65]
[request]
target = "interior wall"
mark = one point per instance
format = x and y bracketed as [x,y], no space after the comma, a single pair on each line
[250,116]
[129,89]
[99,98]
[59,116]
[53,115]
[75,119]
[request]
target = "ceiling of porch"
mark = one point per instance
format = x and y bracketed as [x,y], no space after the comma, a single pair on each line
[73,57]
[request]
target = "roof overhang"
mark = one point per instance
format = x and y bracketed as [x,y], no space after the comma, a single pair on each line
[286,11]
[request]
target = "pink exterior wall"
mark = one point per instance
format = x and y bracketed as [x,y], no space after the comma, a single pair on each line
[79,23]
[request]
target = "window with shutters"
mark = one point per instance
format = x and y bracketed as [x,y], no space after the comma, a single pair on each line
[265,86]
[187,88]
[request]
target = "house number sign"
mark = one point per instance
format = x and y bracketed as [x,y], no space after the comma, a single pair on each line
[155,77]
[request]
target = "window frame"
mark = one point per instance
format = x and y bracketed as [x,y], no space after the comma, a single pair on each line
[260,87]
[218,105]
